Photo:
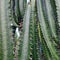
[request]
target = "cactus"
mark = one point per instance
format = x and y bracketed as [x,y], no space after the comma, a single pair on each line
[39,32]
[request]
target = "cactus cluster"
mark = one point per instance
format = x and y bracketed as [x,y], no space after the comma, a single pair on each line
[38,23]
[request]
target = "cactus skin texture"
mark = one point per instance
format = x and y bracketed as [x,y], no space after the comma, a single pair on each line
[39,35]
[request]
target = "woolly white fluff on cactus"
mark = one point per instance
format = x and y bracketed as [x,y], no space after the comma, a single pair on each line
[17,32]
[28,1]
